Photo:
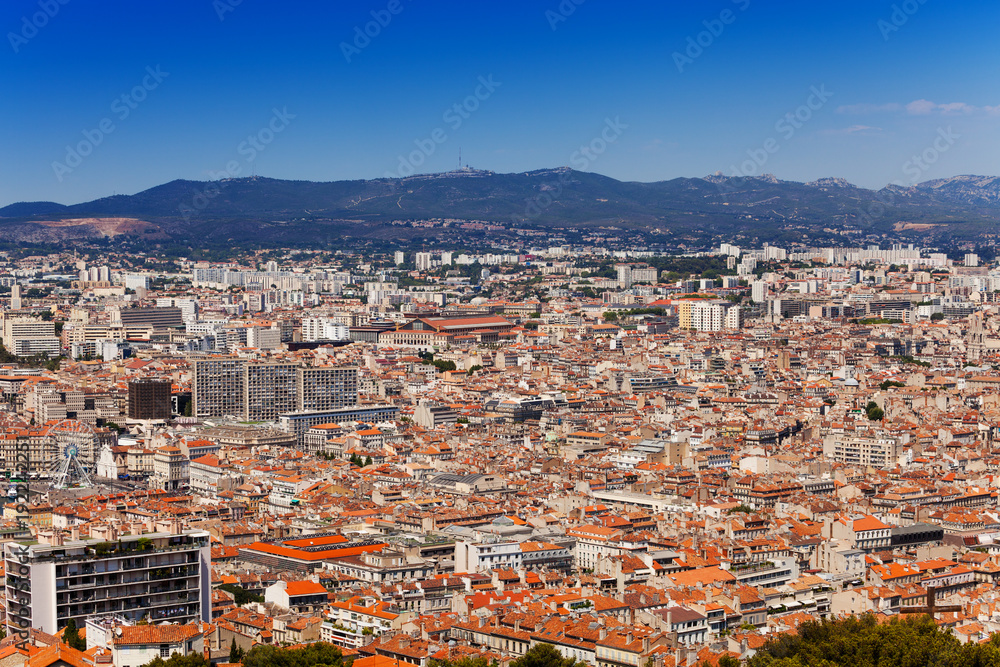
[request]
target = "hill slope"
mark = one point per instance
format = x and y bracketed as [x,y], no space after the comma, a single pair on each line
[762,208]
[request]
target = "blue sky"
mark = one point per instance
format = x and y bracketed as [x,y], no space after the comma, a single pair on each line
[270,88]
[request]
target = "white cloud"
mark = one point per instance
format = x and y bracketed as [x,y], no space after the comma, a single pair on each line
[920,107]
[867,108]
[854,129]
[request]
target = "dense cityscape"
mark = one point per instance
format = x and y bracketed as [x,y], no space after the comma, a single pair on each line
[632,457]
[566,333]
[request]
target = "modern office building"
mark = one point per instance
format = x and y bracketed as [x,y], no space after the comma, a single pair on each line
[26,336]
[149,398]
[162,576]
[158,318]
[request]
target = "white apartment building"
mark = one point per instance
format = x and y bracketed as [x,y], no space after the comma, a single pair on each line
[716,316]
[645,275]
[162,576]
[171,469]
[483,556]
[351,621]
[423,261]
[594,543]
[324,328]
[263,338]
[136,281]
[877,450]
[283,491]
[26,336]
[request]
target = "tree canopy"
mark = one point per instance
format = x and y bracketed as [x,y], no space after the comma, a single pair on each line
[178,660]
[241,595]
[467,661]
[311,655]
[545,655]
[72,638]
[862,641]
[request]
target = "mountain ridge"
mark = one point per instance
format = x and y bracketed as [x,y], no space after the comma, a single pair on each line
[714,206]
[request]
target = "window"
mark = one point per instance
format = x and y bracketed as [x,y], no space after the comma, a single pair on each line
[164,651]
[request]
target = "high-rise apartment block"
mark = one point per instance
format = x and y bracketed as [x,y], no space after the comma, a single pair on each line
[161,576]
[260,391]
[423,261]
[327,388]
[218,386]
[270,389]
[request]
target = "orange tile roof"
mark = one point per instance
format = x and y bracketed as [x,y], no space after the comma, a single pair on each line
[296,588]
[155,634]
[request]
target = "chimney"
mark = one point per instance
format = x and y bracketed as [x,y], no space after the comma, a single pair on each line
[603,634]
[645,644]
[629,638]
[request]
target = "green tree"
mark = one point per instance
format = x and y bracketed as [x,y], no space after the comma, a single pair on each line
[178,660]
[861,641]
[368,461]
[241,596]
[72,638]
[468,661]
[235,652]
[311,655]
[937,317]
[544,655]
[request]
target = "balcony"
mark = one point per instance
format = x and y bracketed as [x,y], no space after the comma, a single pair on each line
[747,568]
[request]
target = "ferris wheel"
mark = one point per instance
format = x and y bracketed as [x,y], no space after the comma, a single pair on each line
[74,446]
